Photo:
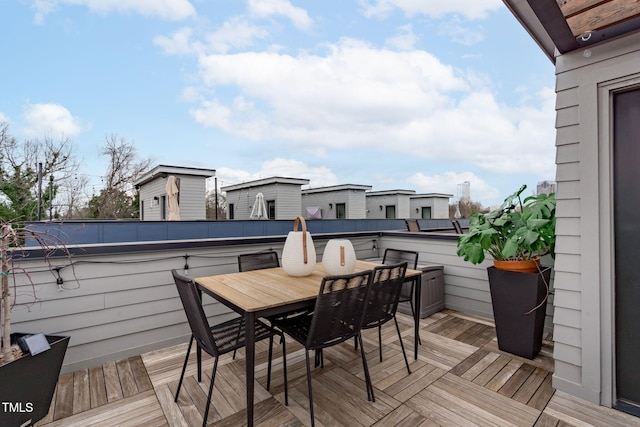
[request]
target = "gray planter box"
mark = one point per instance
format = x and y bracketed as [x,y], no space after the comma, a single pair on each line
[431,293]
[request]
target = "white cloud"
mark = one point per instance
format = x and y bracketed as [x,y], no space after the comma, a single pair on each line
[461,33]
[471,9]
[269,8]
[179,43]
[447,182]
[3,118]
[173,10]
[50,120]
[405,39]
[358,96]
[237,32]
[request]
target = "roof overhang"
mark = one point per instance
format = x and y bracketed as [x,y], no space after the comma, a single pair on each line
[162,171]
[562,26]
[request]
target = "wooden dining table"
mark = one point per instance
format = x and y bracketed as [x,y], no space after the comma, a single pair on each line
[271,291]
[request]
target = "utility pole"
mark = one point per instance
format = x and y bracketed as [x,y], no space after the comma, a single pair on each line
[51,198]
[40,191]
[215,180]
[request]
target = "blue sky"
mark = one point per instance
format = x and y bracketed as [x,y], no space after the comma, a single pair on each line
[397,94]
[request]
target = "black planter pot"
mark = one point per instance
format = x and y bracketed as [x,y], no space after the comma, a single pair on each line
[27,384]
[513,294]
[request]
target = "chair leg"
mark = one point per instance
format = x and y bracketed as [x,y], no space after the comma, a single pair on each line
[404,353]
[213,378]
[184,368]
[238,339]
[284,367]
[269,365]
[370,396]
[413,310]
[199,359]
[313,420]
[380,341]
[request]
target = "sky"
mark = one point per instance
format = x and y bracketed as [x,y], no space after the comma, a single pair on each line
[417,95]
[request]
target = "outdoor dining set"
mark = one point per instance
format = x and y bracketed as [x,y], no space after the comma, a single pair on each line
[317,310]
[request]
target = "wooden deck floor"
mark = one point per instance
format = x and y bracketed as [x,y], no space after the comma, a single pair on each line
[459,379]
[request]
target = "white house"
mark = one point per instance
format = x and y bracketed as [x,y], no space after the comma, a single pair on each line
[191,196]
[389,204]
[345,201]
[282,197]
[429,206]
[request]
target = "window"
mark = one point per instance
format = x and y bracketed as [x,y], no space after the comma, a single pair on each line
[141,210]
[271,208]
[390,212]
[341,211]
[232,211]
[163,207]
[426,212]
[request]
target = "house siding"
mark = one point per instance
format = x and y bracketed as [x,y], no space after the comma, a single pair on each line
[354,201]
[583,321]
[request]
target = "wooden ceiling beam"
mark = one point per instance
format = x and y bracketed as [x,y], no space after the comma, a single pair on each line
[573,7]
[603,16]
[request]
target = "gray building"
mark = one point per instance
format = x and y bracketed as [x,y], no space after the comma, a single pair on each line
[597,66]
[282,197]
[389,204]
[429,206]
[335,202]
[192,192]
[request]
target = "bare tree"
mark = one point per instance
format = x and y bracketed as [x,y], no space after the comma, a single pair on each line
[19,173]
[221,205]
[118,199]
[72,197]
[466,208]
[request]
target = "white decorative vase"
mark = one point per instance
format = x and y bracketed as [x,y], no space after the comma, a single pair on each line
[299,254]
[339,257]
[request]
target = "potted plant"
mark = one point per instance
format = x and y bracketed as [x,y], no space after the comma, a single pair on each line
[516,235]
[29,363]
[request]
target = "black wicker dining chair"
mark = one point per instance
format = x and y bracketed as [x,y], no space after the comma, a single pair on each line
[394,256]
[258,260]
[219,339]
[337,317]
[384,295]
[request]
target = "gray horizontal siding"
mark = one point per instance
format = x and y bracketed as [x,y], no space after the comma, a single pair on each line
[126,304]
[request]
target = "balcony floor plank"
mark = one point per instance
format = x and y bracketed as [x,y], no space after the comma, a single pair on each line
[460,378]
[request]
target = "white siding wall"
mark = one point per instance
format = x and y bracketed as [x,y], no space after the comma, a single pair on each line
[353,200]
[287,198]
[584,261]
[148,191]
[192,198]
[288,201]
[373,203]
[439,207]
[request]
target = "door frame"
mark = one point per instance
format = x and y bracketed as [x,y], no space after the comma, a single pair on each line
[605,94]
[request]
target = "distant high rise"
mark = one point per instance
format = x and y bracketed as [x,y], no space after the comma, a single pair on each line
[464,192]
[546,187]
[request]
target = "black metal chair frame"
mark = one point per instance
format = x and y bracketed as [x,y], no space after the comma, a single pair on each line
[258,260]
[219,339]
[394,256]
[337,316]
[384,296]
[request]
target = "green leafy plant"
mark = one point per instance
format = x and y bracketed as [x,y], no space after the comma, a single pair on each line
[518,230]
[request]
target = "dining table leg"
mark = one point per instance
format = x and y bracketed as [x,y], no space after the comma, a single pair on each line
[416,314]
[250,351]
